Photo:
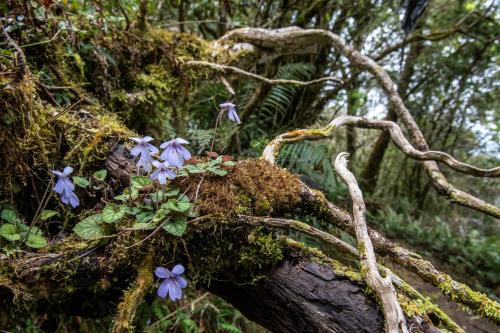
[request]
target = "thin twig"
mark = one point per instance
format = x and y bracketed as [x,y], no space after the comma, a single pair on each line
[43,41]
[63,112]
[225,69]
[150,235]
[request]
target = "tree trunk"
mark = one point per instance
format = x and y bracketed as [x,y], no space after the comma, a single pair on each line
[303,296]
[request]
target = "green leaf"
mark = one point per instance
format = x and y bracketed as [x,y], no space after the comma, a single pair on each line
[179,205]
[47,214]
[112,213]
[144,217]
[177,226]
[100,175]
[160,215]
[9,232]
[171,192]
[130,210]
[89,227]
[10,215]
[193,169]
[215,162]
[162,195]
[158,196]
[218,171]
[122,197]
[139,182]
[229,163]
[80,181]
[36,241]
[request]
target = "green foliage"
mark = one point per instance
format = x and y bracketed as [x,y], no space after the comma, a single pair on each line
[47,214]
[281,98]
[100,175]
[214,166]
[14,231]
[90,227]
[81,181]
[314,161]
[112,213]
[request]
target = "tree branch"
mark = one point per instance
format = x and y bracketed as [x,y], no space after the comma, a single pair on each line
[239,71]
[294,39]
[479,303]
[394,317]
[272,149]
[396,134]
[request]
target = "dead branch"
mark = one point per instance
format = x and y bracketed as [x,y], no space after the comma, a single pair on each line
[227,69]
[393,314]
[272,149]
[397,137]
[294,39]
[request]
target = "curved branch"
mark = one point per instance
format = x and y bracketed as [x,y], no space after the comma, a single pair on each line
[394,317]
[295,39]
[236,70]
[272,149]
[397,137]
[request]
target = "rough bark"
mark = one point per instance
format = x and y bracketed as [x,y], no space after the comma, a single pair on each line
[304,296]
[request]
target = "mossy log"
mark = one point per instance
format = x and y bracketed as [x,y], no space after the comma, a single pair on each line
[274,281]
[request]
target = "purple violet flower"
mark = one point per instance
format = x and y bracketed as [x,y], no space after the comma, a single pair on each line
[231,111]
[162,172]
[175,153]
[145,162]
[144,150]
[65,187]
[173,283]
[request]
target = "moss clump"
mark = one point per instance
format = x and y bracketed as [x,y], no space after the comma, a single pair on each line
[261,251]
[253,187]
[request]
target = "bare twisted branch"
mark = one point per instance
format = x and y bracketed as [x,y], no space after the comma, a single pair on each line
[393,314]
[397,137]
[294,39]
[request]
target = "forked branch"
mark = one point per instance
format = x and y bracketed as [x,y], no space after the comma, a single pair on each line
[397,137]
[393,314]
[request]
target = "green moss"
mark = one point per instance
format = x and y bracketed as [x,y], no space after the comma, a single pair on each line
[261,251]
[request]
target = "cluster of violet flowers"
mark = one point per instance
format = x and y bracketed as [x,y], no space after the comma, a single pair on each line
[173,156]
[174,153]
[65,187]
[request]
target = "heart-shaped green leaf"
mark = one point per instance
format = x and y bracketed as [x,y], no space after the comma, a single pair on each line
[90,227]
[9,232]
[80,181]
[112,213]
[139,182]
[177,226]
[47,214]
[10,215]
[100,175]
[36,241]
